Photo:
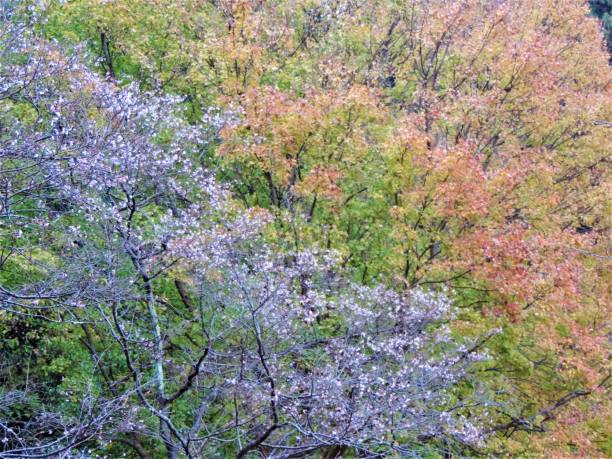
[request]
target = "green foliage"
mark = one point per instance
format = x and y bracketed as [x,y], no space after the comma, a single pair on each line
[603,10]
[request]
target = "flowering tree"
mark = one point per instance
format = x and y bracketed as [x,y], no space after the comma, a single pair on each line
[201,337]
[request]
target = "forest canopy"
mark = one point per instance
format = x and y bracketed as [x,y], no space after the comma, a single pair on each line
[305,228]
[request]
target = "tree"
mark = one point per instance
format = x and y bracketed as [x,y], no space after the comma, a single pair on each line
[434,143]
[202,337]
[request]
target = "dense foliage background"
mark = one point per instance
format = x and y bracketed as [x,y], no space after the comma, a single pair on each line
[305,228]
[603,10]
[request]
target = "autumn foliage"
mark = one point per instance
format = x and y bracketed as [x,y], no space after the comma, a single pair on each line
[459,147]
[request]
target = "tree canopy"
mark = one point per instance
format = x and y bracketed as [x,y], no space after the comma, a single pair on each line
[305,228]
